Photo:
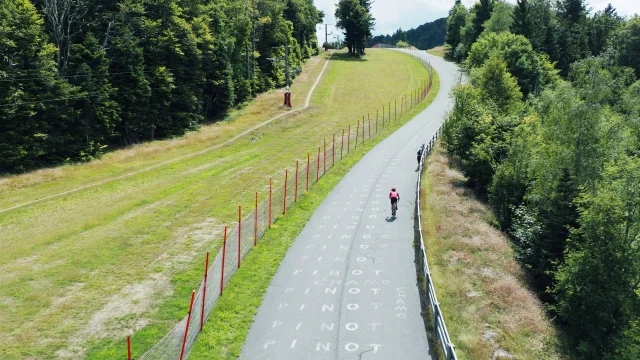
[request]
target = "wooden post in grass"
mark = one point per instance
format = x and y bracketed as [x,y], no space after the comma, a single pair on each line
[295,197]
[376,121]
[308,165]
[369,122]
[318,165]
[255,223]
[186,330]
[362,130]
[239,231]
[341,144]
[333,151]
[349,140]
[324,157]
[395,110]
[284,200]
[383,116]
[357,133]
[204,290]
[224,251]
[270,199]
[128,347]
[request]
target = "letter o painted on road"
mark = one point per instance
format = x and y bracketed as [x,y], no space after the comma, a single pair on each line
[357,272]
[373,216]
[361,259]
[402,316]
[386,282]
[366,237]
[351,326]
[364,246]
[354,291]
[353,306]
[370,226]
[351,347]
[375,202]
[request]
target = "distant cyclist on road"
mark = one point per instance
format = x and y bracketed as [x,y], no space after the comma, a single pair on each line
[420,151]
[395,197]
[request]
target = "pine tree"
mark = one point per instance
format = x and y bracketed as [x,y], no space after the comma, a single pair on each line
[521,19]
[32,132]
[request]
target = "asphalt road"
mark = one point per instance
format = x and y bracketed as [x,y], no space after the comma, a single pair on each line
[347,287]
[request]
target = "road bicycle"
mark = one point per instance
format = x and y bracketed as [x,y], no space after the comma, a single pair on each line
[394,208]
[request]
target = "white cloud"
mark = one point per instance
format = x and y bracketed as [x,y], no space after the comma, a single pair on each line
[406,14]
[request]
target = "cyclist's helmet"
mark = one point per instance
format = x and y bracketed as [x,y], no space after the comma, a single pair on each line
[393,189]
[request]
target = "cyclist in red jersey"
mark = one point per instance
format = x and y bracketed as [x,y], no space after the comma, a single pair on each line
[395,197]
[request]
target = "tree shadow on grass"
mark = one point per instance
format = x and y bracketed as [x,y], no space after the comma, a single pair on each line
[347,57]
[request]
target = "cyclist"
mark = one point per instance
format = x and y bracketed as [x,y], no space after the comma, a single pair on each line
[420,153]
[395,197]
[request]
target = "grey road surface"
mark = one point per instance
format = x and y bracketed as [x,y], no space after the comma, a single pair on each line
[347,287]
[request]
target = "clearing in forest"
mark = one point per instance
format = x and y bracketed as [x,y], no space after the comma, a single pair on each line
[80,271]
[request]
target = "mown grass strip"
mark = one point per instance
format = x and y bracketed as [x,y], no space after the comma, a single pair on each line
[231,318]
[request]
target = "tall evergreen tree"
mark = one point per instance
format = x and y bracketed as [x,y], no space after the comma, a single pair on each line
[602,27]
[521,19]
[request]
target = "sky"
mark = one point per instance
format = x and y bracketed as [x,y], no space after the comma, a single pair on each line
[406,14]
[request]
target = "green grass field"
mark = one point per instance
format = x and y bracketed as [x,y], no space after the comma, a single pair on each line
[79,272]
[441,51]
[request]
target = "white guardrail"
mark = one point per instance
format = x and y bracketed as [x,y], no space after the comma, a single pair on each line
[439,327]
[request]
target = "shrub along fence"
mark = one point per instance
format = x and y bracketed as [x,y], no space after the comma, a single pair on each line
[253,223]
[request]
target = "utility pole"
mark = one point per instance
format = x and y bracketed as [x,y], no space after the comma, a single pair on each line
[326,36]
[287,71]
[286,65]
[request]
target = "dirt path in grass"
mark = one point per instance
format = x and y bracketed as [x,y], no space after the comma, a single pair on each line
[211,148]
[82,259]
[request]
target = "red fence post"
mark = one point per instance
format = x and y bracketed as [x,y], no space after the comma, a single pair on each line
[333,151]
[284,202]
[255,223]
[308,165]
[186,330]
[270,198]
[341,144]
[349,140]
[128,347]
[357,133]
[204,290]
[318,165]
[239,231]
[295,198]
[324,158]
[224,251]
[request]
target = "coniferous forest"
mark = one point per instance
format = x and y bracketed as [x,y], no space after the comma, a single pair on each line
[425,36]
[548,130]
[79,77]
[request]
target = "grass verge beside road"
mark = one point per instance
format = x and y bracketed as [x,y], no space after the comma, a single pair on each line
[80,271]
[229,322]
[489,312]
[441,51]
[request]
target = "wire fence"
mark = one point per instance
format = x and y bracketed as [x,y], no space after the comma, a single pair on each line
[439,326]
[254,222]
